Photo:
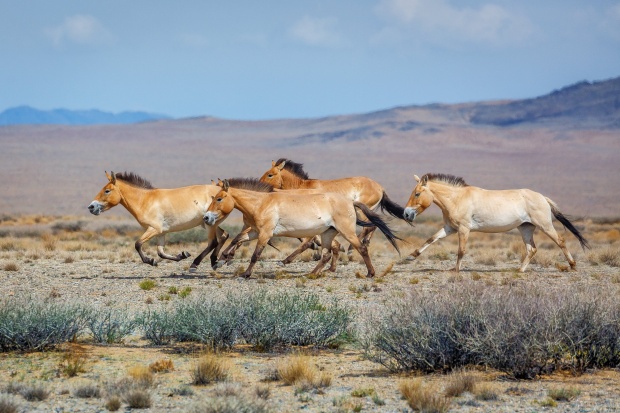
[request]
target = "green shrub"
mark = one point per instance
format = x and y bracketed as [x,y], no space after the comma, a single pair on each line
[109,325]
[29,323]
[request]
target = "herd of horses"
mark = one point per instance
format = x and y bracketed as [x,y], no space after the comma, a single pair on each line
[284,202]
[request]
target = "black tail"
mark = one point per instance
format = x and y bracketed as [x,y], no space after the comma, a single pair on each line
[568,225]
[391,207]
[376,221]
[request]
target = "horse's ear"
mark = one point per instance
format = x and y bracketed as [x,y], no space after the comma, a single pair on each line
[281,166]
[424,180]
[213,182]
[273,163]
[225,185]
[220,183]
[417,178]
[113,178]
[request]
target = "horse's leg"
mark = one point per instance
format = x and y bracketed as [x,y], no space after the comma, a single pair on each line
[305,244]
[559,240]
[260,246]
[463,236]
[317,247]
[216,238]
[161,241]
[228,254]
[326,242]
[527,234]
[352,238]
[442,233]
[335,253]
[148,234]
[222,237]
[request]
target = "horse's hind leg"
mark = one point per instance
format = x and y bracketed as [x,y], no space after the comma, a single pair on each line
[305,244]
[559,240]
[335,252]
[527,234]
[326,242]
[161,241]
[229,253]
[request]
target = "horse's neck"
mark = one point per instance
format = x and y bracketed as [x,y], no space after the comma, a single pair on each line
[246,201]
[444,195]
[292,181]
[132,198]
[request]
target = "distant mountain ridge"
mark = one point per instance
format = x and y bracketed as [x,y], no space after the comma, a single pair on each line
[26,115]
[583,104]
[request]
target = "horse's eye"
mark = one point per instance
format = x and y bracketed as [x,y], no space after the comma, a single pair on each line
[107,191]
[270,176]
[417,194]
[219,200]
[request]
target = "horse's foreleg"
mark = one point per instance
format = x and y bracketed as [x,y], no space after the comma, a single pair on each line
[148,234]
[216,238]
[335,253]
[463,236]
[527,234]
[161,241]
[260,246]
[229,253]
[442,233]
[362,249]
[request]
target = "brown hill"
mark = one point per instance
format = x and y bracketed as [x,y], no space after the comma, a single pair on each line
[58,169]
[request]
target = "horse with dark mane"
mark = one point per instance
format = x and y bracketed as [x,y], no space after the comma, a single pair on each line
[468,209]
[160,211]
[294,214]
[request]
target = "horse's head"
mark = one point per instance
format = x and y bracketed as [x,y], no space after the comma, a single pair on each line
[273,176]
[222,204]
[420,199]
[109,196]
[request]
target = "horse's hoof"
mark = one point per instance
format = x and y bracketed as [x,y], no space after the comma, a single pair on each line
[369,275]
[185,254]
[281,263]
[192,270]
[152,262]
[410,258]
[218,264]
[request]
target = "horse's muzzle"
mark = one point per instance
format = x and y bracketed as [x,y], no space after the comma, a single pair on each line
[409,214]
[95,208]
[210,218]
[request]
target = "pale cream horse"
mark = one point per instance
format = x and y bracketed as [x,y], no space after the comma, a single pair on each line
[467,208]
[288,214]
[160,211]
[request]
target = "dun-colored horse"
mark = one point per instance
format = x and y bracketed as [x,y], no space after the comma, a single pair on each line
[468,208]
[296,215]
[286,175]
[160,211]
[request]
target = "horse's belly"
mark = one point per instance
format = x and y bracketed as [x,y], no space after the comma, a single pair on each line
[495,225]
[300,228]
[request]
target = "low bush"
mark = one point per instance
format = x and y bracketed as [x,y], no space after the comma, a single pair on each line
[30,323]
[110,325]
[522,329]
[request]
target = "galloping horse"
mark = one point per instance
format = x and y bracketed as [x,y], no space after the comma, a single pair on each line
[296,215]
[286,174]
[161,211]
[468,208]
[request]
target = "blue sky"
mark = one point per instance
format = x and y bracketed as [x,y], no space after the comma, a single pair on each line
[279,59]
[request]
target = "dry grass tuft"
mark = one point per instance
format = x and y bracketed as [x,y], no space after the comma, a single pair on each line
[297,370]
[137,399]
[113,403]
[486,392]
[387,270]
[8,405]
[142,375]
[210,368]
[423,398]
[10,266]
[562,394]
[460,382]
[73,360]
[163,365]
[50,242]
[607,256]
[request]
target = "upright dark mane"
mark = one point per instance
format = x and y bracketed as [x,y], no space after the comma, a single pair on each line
[134,179]
[293,167]
[250,184]
[446,179]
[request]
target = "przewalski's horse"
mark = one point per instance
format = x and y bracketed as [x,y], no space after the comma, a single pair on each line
[160,211]
[295,215]
[286,174]
[468,208]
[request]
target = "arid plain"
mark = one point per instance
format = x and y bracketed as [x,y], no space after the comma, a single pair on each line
[51,248]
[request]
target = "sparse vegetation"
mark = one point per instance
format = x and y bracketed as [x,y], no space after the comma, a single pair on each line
[297,370]
[210,368]
[423,398]
[147,284]
[110,325]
